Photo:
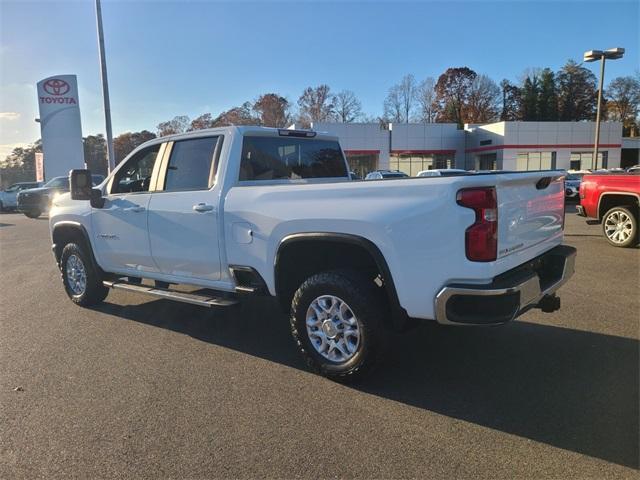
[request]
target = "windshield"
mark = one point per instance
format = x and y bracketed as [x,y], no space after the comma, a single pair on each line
[58,182]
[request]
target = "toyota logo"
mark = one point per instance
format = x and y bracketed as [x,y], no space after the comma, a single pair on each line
[55,86]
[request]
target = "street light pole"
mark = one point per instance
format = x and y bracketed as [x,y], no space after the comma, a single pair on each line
[597,140]
[105,89]
[602,55]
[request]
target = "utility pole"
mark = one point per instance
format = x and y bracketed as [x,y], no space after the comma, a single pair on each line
[602,55]
[597,140]
[105,89]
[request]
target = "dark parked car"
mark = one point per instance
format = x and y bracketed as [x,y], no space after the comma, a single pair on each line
[36,201]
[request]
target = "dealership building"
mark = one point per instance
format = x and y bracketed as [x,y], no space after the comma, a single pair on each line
[522,146]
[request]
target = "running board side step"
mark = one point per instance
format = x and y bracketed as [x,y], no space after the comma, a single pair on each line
[192,298]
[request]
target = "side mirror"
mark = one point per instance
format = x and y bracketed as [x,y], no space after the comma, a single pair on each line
[80,183]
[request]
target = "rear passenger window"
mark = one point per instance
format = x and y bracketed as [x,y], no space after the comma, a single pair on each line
[190,164]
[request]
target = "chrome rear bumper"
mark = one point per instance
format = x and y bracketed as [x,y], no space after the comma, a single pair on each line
[510,294]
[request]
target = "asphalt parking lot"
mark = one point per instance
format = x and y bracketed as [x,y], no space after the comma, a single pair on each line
[151,389]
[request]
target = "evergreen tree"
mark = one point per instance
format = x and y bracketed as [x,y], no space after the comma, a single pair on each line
[577,93]
[547,97]
[511,101]
[530,95]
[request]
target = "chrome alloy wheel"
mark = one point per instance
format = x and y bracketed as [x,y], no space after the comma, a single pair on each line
[618,226]
[76,275]
[333,329]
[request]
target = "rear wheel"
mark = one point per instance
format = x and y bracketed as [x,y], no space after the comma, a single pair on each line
[620,226]
[81,280]
[337,323]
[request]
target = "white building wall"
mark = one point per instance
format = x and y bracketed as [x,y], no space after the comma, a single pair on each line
[429,138]
[511,138]
[505,139]
[360,137]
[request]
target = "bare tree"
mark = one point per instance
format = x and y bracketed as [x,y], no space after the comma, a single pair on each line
[179,124]
[347,106]
[401,100]
[272,110]
[393,111]
[426,97]
[316,105]
[484,100]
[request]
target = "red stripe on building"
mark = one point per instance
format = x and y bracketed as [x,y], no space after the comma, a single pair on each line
[540,147]
[420,152]
[362,152]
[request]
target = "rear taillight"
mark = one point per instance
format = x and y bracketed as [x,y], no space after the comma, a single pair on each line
[481,238]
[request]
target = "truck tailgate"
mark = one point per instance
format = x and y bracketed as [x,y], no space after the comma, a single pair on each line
[530,210]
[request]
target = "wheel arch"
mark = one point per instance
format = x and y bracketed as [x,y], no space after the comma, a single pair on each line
[608,200]
[65,232]
[290,270]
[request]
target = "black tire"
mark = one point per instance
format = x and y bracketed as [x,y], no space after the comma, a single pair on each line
[363,299]
[1,207]
[628,215]
[33,213]
[94,291]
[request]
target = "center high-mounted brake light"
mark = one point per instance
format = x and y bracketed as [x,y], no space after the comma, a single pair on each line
[283,132]
[481,238]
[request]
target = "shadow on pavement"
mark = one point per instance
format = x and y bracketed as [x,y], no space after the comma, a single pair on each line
[570,389]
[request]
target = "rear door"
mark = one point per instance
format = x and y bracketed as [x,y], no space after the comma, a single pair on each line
[530,210]
[183,213]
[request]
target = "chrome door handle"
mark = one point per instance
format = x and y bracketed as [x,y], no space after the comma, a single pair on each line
[136,209]
[203,207]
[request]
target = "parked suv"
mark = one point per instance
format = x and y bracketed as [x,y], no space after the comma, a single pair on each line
[237,211]
[8,197]
[36,201]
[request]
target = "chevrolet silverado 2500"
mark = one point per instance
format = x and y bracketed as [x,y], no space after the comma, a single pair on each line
[247,210]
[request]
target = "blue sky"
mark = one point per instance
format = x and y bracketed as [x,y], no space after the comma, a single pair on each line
[190,57]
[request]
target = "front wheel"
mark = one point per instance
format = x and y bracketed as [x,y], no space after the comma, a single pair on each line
[33,213]
[81,280]
[337,323]
[620,226]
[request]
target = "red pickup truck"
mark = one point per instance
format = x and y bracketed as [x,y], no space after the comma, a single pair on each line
[612,200]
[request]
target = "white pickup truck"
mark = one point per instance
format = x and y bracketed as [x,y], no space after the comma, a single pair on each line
[243,211]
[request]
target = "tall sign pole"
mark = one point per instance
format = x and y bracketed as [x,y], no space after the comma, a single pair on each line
[597,140]
[105,89]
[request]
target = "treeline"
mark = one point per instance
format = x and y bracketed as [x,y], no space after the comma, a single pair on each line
[459,95]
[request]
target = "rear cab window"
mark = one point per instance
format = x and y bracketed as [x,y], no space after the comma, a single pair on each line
[290,158]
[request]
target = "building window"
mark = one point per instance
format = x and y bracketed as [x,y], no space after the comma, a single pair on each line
[536,161]
[362,163]
[488,161]
[411,164]
[584,160]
